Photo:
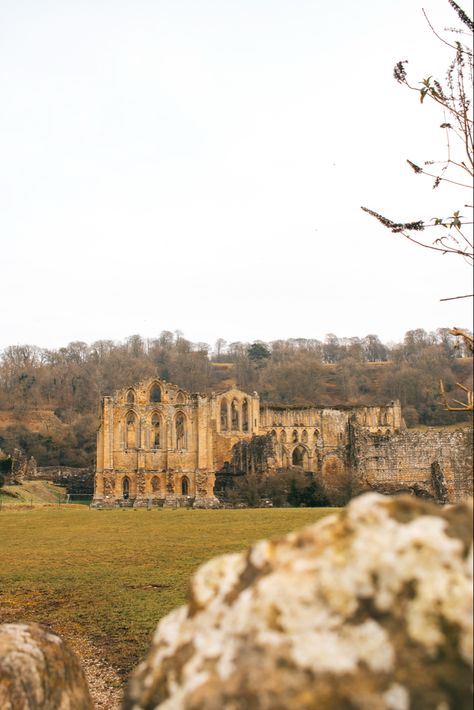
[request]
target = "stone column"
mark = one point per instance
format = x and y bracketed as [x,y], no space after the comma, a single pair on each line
[104,493]
[204,476]
[108,432]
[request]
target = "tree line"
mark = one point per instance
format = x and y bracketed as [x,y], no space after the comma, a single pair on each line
[298,371]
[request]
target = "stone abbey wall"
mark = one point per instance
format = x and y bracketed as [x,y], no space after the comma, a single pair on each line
[432,463]
[160,445]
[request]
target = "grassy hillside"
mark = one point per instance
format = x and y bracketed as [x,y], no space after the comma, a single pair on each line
[111,575]
[32,493]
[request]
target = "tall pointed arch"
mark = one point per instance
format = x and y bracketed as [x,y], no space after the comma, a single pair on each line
[245,415]
[224,414]
[156,433]
[155,393]
[125,488]
[234,415]
[180,430]
[131,430]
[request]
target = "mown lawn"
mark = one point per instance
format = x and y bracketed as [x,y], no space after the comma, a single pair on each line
[111,575]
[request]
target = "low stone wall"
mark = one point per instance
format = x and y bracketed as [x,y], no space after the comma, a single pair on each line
[75,480]
[433,463]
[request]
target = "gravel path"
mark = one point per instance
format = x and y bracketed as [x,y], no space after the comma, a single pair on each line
[105,684]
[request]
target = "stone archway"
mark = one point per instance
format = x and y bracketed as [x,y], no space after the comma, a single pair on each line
[299,457]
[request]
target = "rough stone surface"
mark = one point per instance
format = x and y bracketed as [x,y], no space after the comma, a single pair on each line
[434,463]
[370,609]
[38,671]
[22,467]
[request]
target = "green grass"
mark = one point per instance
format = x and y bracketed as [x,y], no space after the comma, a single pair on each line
[111,575]
[32,493]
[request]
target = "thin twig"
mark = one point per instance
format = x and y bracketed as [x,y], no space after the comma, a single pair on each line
[453,298]
[434,31]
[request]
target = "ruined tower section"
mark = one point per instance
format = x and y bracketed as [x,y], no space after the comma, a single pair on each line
[431,463]
[235,416]
[320,439]
[311,438]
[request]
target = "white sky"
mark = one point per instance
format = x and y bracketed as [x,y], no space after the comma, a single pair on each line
[200,164]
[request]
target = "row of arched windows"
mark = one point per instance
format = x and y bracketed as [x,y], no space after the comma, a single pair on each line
[155,486]
[155,395]
[234,417]
[154,433]
[295,437]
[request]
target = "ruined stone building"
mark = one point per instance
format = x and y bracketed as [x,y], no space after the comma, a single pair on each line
[160,445]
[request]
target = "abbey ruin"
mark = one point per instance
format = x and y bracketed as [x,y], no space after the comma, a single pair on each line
[160,445]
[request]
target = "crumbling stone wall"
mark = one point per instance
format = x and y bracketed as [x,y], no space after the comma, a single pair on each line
[75,480]
[22,467]
[433,463]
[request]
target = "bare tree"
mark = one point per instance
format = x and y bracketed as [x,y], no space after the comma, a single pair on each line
[453,96]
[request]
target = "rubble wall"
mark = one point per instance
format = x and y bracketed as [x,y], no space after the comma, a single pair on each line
[75,480]
[421,462]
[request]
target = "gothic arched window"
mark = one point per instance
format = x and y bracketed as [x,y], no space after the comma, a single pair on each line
[130,397]
[234,415]
[245,415]
[131,431]
[126,488]
[185,486]
[224,415]
[180,431]
[155,431]
[155,393]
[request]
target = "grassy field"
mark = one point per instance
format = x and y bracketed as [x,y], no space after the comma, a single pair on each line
[111,575]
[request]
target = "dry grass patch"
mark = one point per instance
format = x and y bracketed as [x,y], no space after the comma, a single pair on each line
[32,493]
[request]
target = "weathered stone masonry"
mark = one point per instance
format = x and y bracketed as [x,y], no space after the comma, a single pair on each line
[433,463]
[160,445]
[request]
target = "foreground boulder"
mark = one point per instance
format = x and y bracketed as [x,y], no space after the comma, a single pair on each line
[39,671]
[371,609]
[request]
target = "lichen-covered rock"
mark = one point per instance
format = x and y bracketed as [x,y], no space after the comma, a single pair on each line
[370,608]
[38,671]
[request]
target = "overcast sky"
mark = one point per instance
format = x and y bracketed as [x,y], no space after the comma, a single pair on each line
[200,165]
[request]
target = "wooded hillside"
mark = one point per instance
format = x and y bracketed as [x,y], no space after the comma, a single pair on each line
[49,398]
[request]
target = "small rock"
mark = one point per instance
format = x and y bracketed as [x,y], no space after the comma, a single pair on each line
[38,671]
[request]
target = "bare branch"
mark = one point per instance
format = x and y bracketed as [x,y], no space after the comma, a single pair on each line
[454,298]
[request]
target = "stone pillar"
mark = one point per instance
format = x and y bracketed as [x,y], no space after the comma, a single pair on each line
[104,493]
[202,422]
[204,473]
[108,432]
